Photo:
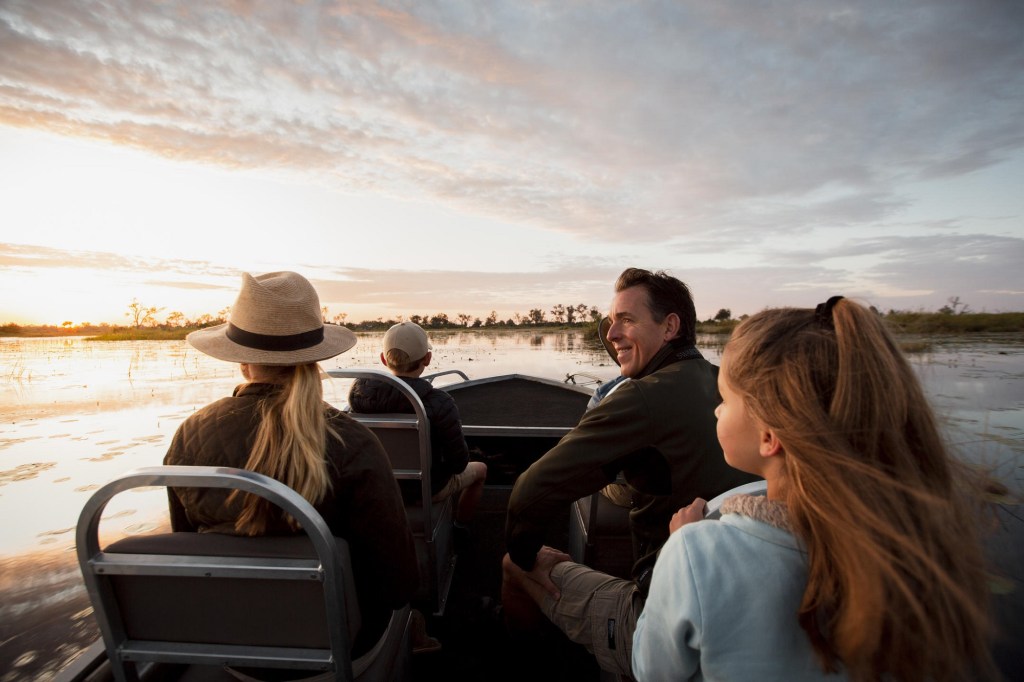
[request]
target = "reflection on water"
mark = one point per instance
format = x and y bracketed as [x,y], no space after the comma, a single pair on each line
[73,413]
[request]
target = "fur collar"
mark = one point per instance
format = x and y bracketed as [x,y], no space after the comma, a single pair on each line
[759,508]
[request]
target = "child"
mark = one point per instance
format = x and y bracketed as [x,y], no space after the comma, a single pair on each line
[862,561]
[407,354]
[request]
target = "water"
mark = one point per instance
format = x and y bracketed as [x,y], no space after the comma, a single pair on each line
[73,413]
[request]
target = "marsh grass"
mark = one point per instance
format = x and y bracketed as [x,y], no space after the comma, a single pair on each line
[916,346]
[144,334]
[902,322]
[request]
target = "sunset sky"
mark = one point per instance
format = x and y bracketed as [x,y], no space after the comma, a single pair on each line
[460,157]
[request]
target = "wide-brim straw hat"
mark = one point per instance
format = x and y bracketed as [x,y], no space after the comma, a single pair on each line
[276,320]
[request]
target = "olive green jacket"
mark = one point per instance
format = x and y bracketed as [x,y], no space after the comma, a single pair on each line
[659,431]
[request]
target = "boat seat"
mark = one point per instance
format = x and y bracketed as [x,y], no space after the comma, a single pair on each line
[406,439]
[218,601]
[600,536]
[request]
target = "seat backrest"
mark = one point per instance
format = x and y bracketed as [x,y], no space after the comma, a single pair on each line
[600,535]
[405,436]
[206,598]
[406,439]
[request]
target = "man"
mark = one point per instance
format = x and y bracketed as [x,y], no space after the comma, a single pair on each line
[658,429]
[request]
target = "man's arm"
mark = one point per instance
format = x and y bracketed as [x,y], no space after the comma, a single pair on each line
[583,462]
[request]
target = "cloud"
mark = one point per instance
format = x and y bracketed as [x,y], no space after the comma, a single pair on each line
[611,121]
[31,257]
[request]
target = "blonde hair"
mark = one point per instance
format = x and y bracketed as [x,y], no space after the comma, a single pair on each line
[896,583]
[289,446]
[399,361]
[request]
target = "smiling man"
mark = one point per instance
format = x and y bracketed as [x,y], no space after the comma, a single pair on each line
[658,430]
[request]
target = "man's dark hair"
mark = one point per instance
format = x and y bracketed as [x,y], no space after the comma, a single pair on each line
[665,294]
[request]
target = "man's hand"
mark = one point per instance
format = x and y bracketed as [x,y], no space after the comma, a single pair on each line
[688,514]
[547,558]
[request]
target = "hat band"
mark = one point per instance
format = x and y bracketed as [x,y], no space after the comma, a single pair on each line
[271,342]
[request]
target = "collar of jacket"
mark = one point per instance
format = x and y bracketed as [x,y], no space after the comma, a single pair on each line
[255,389]
[675,350]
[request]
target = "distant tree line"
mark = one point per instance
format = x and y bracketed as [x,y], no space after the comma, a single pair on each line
[954,317]
[561,315]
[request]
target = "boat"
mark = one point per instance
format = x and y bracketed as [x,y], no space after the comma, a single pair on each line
[510,421]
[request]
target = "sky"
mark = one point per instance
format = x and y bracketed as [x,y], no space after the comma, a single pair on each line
[458,157]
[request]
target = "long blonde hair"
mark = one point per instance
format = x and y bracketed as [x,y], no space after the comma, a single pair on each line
[896,583]
[290,444]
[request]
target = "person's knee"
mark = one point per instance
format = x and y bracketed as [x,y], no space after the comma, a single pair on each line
[479,472]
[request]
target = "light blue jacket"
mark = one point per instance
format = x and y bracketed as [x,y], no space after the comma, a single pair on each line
[723,606]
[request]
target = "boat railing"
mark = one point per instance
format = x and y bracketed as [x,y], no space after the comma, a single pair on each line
[590,379]
[437,375]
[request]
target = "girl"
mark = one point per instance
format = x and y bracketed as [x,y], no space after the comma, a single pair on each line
[863,560]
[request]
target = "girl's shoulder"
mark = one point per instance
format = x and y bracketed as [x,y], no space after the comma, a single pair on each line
[747,520]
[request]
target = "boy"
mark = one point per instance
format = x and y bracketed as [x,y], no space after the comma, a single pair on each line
[407,352]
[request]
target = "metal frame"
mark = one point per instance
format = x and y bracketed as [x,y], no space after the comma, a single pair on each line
[436,537]
[97,567]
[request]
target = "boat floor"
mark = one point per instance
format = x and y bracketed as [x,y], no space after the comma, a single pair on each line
[475,643]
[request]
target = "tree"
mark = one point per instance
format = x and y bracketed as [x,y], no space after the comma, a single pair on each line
[536,316]
[558,312]
[595,314]
[723,314]
[570,314]
[141,314]
[954,307]
[581,310]
[340,318]
[492,319]
[176,319]
[439,320]
[464,319]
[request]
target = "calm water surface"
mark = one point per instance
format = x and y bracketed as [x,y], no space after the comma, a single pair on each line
[73,413]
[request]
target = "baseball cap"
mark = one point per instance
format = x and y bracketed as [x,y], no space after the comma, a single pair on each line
[408,337]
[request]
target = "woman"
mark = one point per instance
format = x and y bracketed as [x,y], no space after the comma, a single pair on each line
[863,561]
[278,424]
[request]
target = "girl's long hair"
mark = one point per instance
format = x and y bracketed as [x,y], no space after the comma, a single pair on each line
[289,446]
[896,582]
